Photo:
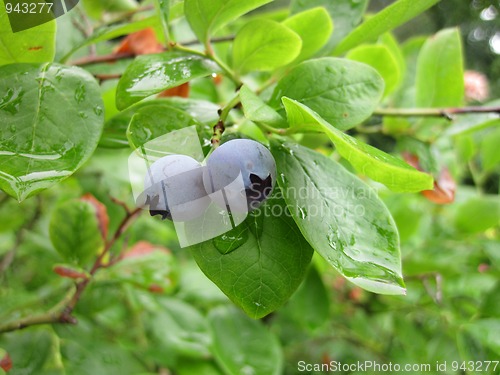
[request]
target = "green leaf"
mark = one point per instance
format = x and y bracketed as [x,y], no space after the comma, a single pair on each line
[312,292]
[486,332]
[379,57]
[263,272]
[115,129]
[389,18]
[342,218]
[314,26]
[153,121]
[111,32]
[264,45]
[345,15]
[163,9]
[368,160]
[180,328]
[152,74]
[96,8]
[343,92]
[207,16]
[74,231]
[34,45]
[197,367]
[478,214]
[153,269]
[489,150]
[439,81]
[244,346]
[258,111]
[53,120]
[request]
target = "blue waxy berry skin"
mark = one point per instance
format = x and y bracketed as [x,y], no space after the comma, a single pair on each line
[248,159]
[174,189]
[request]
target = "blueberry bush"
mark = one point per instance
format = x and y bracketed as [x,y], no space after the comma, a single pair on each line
[370,171]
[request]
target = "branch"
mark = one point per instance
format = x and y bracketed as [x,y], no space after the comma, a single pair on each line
[62,312]
[434,112]
[112,57]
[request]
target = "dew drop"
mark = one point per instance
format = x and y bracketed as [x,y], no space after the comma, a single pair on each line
[231,240]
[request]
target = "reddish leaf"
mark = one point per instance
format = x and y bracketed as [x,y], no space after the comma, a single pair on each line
[444,189]
[140,43]
[181,91]
[70,273]
[6,362]
[154,288]
[444,185]
[101,212]
[142,248]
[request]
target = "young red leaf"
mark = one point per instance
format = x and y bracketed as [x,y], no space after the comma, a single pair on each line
[6,362]
[101,213]
[142,42]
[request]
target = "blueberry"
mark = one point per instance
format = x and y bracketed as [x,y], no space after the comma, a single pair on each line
[173,188]
[258,174]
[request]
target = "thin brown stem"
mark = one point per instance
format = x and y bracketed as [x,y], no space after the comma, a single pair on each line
[62,312]
[106,77]
[435,112]
[112,57]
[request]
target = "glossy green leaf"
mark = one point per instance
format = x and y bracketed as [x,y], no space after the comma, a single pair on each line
[379,57]
[115,129]
[35,45]
[244,346]
[264,45]
[368,160]
[389,18]
[74,231]
[439,80]
[486,332]
[258,111]
[207,16]
[311,293]
[152,74]
[263,272]
[53,119]
[346,15]
[153,121]
[341,217]
[478,214]
[343,92]
[314,26]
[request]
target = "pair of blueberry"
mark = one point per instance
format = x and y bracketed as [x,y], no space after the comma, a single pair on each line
[238,176]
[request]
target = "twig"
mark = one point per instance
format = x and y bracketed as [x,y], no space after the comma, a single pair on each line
[221,39]
[62,312]
[88,60]
[434,112]
[112,57]
[105,77]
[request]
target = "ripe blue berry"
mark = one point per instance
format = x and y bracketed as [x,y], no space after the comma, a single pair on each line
[243,157]
[174,189]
